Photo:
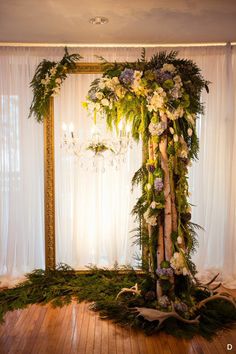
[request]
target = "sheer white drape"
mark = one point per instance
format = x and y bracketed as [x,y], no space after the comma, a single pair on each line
[93,207]
[212,177]
[21,169]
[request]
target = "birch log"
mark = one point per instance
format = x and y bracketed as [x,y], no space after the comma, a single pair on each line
[160,256]
[167,195]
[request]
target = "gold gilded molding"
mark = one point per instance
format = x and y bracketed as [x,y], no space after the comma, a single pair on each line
[49,172]
[87,68]
[49,188]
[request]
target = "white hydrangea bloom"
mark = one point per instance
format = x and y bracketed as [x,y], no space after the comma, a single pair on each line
[151,220]
[157,100]
[101,84]
[178,263]
[169,67]
[157,128]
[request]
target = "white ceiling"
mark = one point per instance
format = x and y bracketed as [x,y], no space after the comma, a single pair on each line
[138,21]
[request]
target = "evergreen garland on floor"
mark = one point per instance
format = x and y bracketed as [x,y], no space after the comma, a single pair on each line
[101,287]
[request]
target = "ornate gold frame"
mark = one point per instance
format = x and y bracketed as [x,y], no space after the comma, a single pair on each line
[49,170]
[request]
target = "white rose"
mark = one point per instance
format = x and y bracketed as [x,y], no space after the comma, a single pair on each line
[99,95]
[105,102]
[137,74]
[190,132]
[58,80]
[176,255]
[176,138]
[101,84]
[97,106]
[179,240]
[153,205]
[115,80]
[191,119]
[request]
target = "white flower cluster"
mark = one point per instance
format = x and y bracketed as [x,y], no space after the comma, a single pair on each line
[156,101]
[137,80]
[168,67]
[151,220]
[176,92]
[46,81]
[183,152]
[109,83]
[157,128]
[177,113]
[191,119]
[178,263]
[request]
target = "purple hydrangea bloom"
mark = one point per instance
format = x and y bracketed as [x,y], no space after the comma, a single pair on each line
[158,184]
[150,168]
[166,272]
[162,76]
[127,76]
[164,301]
[181,306]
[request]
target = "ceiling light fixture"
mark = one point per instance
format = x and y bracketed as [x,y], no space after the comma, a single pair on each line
[98,20]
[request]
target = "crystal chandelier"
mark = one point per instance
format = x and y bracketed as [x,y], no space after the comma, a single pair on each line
[104,151]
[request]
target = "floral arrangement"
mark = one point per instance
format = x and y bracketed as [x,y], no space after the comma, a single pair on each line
[47,82]
[98,147]
[160,98]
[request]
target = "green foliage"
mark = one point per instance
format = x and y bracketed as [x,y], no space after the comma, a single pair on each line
[101,286]
[47,81]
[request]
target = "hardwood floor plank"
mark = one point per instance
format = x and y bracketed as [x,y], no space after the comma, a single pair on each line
[105,342]
[33,323]
[91,333]
[77,335]
[83,331]
[16,333]
[75,329]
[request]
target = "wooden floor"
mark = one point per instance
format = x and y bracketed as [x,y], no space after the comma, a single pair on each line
[76,329]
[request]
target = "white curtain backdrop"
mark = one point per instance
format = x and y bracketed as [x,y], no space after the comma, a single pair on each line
[93,206]
[21,164]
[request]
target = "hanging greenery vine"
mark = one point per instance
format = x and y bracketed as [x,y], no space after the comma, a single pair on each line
[47,82]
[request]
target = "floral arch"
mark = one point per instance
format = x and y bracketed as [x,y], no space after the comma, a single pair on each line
[160,100]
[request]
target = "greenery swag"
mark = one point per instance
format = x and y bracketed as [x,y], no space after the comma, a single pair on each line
[47,82]
[160,100]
